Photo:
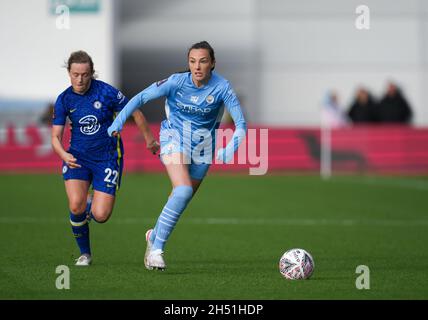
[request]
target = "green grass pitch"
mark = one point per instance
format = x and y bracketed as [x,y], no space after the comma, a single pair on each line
[228,242]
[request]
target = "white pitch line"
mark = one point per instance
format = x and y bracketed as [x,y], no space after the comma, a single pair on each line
[237,221]
[310,222]
[415,184]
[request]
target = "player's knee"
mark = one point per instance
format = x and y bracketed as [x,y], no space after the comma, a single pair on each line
[77,207]
[101,216]
[183,193]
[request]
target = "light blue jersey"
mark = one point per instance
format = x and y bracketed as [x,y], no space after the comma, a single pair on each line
[193,114]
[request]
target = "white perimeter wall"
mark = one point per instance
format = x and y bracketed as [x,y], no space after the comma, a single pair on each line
[283,55]
[33,50]
[280,55]
[311,46]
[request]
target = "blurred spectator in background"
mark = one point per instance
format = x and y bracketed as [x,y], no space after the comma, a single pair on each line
[46,117]
[363,108]
[332,115]
[393,108]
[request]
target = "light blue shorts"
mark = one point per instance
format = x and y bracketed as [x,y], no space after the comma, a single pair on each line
[171,145]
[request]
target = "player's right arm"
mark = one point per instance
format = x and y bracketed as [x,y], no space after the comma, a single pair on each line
[58,122]
[156,90]
[56,140]
[144,127]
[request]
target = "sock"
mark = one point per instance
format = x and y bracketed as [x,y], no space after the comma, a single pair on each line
[170,214]
[88,211]
[79,225]
[156,228]
[153,234]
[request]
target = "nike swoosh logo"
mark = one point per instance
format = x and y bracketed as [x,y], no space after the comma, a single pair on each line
[71,111]
[110,185]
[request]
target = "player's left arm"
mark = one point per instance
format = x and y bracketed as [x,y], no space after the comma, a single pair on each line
[141,121]
[119,102]
[232,104]
[154,91]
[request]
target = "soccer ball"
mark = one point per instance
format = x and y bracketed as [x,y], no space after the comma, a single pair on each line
[296,264]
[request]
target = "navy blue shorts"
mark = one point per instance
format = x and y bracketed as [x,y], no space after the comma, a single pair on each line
[105,176]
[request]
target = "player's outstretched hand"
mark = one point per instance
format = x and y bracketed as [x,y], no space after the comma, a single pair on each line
[113,130]
[153,146]
[70,160]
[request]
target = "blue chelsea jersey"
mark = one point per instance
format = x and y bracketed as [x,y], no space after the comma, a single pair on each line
[90,115]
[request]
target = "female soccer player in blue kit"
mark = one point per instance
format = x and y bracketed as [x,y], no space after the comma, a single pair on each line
[93,157]
[194,108]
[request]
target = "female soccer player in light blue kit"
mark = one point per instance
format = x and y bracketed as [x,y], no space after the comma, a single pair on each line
[93,157]
[194,108]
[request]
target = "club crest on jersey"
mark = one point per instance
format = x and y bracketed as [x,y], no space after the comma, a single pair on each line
[97,105]
[89,125]
[209,99]
[120,97]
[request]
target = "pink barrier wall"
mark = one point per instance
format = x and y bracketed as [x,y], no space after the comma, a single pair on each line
[383,149]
